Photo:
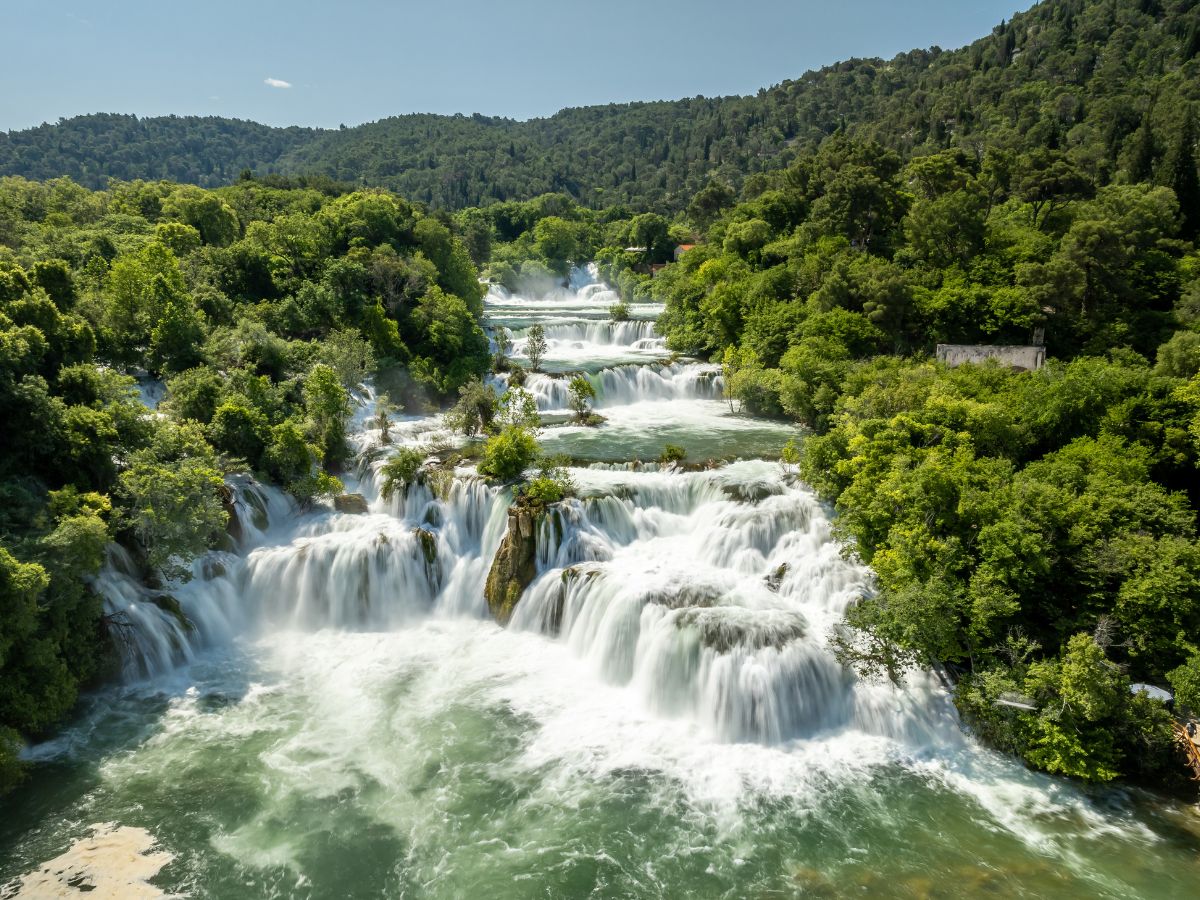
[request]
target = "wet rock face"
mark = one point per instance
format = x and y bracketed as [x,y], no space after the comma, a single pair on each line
[233,524]
[724,629]
[355,504]
[754,492]
[515,564]
[428,542]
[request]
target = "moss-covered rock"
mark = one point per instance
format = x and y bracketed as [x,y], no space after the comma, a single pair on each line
[724,629]
[170,605]
[233,523]
[752,492]
[515,564]
[685,596]
[580,572]
[775,577]
[352,504]
[428,541]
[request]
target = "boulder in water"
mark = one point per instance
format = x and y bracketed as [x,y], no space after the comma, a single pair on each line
[751,492]
[171,607]
[233,523]
[515,564]
[775,577]
[580,571]
[686,596]
[723,629]
[353,504]
[428,541]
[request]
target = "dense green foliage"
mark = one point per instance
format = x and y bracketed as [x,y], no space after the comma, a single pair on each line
[400,471]
[1024,527]
[261,307]
[508,453]
[1101,77]
[1033,534]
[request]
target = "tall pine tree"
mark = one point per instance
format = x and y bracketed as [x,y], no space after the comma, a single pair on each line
[1141,161]
[1184,179]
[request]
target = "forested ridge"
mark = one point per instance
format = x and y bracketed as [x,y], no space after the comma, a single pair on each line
[1092,76]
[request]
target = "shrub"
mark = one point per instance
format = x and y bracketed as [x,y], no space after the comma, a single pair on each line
[508,454]
[518,407]
[619,312]
[239,430]
[1186,682]
[289,457]
[790,454]
[400,471]
[543,490]
[672,453]
[535,346]
[552,483]
[475,409]
[582,393]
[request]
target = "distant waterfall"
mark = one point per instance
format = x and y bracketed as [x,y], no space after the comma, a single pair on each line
[638,334]
[628,384]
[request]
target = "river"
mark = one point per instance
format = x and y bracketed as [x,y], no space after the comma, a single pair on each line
[335,714]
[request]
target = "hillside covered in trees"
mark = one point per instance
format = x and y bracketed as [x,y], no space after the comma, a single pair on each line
[1102,79]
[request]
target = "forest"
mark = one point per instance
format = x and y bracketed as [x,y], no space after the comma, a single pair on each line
[1033,534]
[1100,78]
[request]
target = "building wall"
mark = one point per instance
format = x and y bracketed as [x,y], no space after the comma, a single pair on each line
[1028,359]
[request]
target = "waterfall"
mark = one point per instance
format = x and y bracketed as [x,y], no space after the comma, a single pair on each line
[634,333]
[709,595]
[628,384]
[157,630]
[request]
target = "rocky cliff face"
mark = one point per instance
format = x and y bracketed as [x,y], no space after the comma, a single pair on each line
[515,564]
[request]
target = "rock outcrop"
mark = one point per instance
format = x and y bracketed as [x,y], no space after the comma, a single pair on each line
[515,564]
[355,504]
[428,541]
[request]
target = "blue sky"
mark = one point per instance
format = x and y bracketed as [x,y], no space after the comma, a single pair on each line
[359,60]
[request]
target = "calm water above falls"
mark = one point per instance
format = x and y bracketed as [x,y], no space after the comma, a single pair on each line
[338,716]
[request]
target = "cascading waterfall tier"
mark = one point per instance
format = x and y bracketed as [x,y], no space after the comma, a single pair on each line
[711,594]
[628,384]
[160,629]
[639,334]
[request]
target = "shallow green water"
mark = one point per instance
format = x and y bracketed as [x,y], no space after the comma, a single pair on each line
[442,762]
[705,429]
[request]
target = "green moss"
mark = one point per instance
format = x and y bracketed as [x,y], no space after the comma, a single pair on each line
[428,541]
[170,605]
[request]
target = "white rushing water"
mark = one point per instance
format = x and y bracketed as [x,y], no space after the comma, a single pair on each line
[661,717]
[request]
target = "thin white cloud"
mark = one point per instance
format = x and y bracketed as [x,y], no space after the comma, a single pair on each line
[277,83]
